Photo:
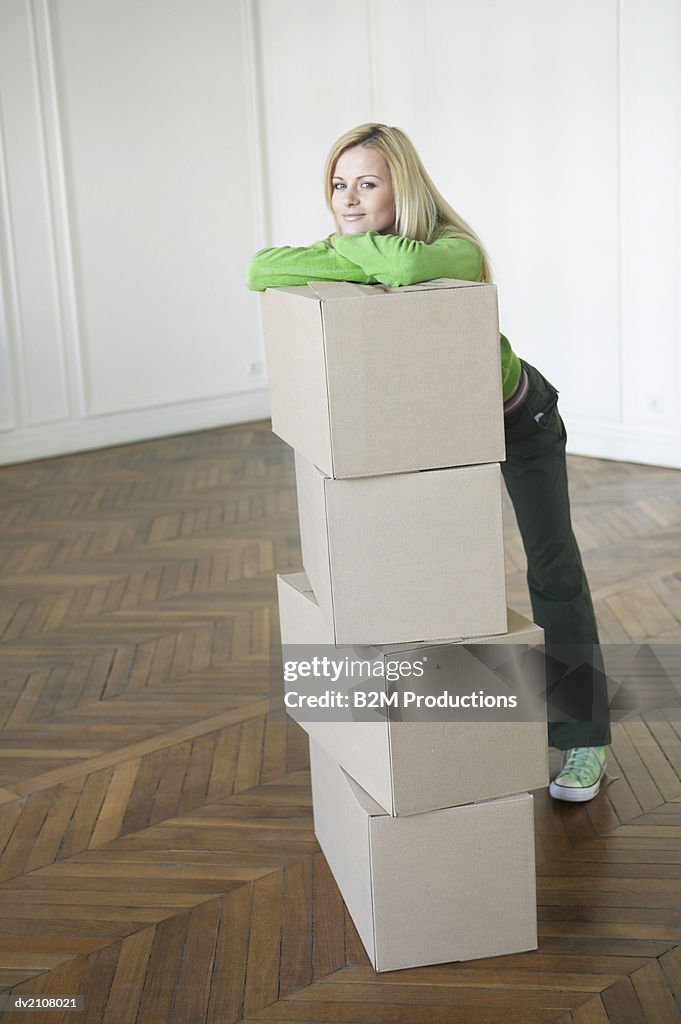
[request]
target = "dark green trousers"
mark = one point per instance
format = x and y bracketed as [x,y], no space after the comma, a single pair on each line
[536,478]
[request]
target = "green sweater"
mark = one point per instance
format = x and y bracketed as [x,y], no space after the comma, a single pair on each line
[377,259]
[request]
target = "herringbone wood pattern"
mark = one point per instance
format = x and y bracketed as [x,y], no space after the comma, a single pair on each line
[157,853]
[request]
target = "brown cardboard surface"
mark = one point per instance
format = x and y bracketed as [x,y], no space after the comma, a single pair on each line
[405,557]
[293,319]
[298,583]
[414,766]
[452,884]
[366,380]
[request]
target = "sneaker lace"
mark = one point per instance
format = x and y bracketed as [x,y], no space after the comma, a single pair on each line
[582,763]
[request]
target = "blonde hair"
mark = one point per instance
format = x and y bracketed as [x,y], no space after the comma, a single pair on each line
[421,212]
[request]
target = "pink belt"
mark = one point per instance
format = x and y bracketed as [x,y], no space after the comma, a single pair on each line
[518,396]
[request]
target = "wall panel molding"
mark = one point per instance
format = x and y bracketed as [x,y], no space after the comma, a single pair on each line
[59,206]
[46,339]
[372,36]
[12,390]
[45,100]
[257,144]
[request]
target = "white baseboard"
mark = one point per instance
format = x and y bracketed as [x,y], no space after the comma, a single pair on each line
[124,428]
[623,443]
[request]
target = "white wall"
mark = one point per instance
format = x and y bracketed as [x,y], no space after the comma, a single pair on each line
[151,145]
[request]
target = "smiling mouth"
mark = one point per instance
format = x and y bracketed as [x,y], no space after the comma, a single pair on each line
[352,216]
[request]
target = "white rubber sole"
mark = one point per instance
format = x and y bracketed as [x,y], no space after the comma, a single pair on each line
[576,794]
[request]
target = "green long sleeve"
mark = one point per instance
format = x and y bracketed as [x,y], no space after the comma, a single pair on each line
[396,261]
[285,266]
[365,259]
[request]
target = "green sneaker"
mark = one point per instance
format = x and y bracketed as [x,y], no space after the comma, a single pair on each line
[581,774]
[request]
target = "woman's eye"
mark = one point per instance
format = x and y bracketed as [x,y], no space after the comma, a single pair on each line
[368,184]
[338,185]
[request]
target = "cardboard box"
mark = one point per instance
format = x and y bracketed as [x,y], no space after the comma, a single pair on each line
[410,765]
[454,884]
[405,557]
[366,380]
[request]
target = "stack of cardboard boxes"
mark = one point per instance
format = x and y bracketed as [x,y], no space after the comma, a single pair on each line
[392,401]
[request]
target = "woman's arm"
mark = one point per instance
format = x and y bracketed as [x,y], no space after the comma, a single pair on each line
[396,261]
[365,259]
[286,266]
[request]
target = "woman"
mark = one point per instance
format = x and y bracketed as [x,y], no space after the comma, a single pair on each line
[394,228]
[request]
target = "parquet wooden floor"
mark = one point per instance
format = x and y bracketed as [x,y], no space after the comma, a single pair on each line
[156,844]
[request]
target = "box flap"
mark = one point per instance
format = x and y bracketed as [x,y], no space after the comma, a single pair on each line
[297,580]
[370,806]
[327,290]
[312,516]
[521,630]
[303,291]
[439,282]
[330,290]
[301,621]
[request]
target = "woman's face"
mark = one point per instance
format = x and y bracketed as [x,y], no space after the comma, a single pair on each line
[362,198]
